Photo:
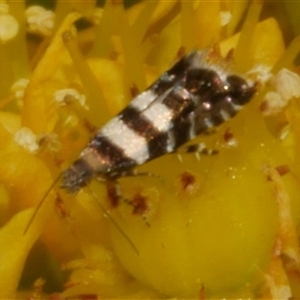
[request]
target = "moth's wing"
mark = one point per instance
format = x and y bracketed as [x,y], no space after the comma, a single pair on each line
[160,114]
[166,82]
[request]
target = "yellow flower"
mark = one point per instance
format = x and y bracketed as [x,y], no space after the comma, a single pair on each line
[221,227]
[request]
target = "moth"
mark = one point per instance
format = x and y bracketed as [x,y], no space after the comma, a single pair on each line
[184,102]
[187,100]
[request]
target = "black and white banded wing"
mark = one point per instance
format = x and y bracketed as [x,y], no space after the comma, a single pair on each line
[143,130]
[184,102]
[192,98]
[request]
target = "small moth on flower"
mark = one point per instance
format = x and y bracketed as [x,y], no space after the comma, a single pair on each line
[187,100]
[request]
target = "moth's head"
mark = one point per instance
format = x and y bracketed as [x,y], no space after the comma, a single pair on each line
[77,176]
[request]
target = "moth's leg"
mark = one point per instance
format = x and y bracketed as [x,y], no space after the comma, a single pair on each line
[149,174]
[135,173]
[200,148]
[197,149]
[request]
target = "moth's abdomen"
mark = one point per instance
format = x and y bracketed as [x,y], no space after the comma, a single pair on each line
[219,98]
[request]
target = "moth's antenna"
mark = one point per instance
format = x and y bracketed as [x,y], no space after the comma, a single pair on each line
[41,202]
[109,216]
